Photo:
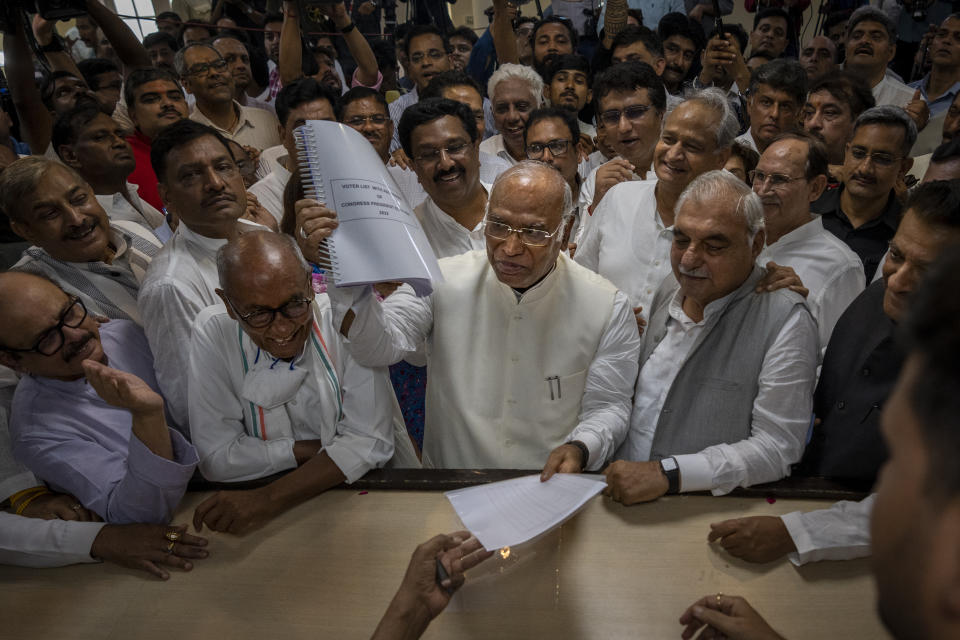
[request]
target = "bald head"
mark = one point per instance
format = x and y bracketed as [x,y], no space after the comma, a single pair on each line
[533,181]
[260,256]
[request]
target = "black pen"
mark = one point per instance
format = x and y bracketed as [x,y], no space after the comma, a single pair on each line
[442,575]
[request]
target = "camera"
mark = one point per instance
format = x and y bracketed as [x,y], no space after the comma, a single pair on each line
[13,10]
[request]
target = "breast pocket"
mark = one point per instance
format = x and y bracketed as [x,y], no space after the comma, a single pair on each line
[561,396]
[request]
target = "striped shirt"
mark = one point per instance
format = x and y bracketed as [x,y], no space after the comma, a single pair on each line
[106,289]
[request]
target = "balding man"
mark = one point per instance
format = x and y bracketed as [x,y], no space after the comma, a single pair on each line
[509,385]
[272,389]
[725,389]
[74,242]
[791,174]
[97,432]
[629,236]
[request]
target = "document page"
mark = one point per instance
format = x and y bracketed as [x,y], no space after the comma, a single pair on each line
[507,513]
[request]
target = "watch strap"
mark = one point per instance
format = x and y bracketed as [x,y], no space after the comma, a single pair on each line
[673,476]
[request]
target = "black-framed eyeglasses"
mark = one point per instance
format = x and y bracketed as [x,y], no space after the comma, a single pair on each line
[293,310]
[51,340]
[204,68]
[431,156]
[557,147]
[633,113]
[775,180]
[433,54]
[529,237]
[358,121]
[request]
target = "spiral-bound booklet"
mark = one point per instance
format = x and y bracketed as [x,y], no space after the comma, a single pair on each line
[379,238]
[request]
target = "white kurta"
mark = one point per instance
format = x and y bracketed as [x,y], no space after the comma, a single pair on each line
[589,186]
[627,243]
[32,542]
[508,381]
[180,283]
[828,268]
[841,532]
[248,408]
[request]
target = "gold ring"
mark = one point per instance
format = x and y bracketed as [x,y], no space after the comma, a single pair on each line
[170,546]
[172,535]
[76,507]
[718,598]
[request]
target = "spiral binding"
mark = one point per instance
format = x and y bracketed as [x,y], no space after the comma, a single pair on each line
[308,162]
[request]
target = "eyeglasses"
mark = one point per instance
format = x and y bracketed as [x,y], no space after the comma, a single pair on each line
[51,340]
[359,121]
[878,158]
[263,317]
[529,237]
[433,54]
[557,147]
[204,68]
[432,156]
[636,112]
[776,180]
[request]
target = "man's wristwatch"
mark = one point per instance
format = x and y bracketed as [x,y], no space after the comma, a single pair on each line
[672,471]
[54,46]
[347,29]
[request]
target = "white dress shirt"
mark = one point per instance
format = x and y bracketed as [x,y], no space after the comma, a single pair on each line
[892,91]
[402,325]
[269,190]
[841,532]
[448,237]
[494,146]
[33,542]
[781,409]
[180,283]
[248,408]
[828,268]
[141,212]
[627,243]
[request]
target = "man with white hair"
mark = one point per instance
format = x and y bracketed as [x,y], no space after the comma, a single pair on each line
[629,236]
[515,90]
[726,382]
[509,385]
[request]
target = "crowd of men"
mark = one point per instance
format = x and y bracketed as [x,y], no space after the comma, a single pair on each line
[690,259]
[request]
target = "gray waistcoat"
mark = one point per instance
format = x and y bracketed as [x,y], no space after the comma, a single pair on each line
[711,399]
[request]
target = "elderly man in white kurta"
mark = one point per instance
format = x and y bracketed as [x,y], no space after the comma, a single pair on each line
[725,390]
[531,358]
[272,389]
[791,174]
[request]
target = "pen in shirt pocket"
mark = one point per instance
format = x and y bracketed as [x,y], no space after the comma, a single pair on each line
[550,382]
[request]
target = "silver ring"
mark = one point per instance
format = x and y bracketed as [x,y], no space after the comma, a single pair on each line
[303,234]
[76,507]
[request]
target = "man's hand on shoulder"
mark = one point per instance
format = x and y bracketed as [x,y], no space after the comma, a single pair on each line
[781,277]
[633,482]
[754,539]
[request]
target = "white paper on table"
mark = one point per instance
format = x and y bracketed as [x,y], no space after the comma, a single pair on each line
[507,513]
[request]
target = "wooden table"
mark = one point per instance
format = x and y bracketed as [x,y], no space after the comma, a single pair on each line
[328,568]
